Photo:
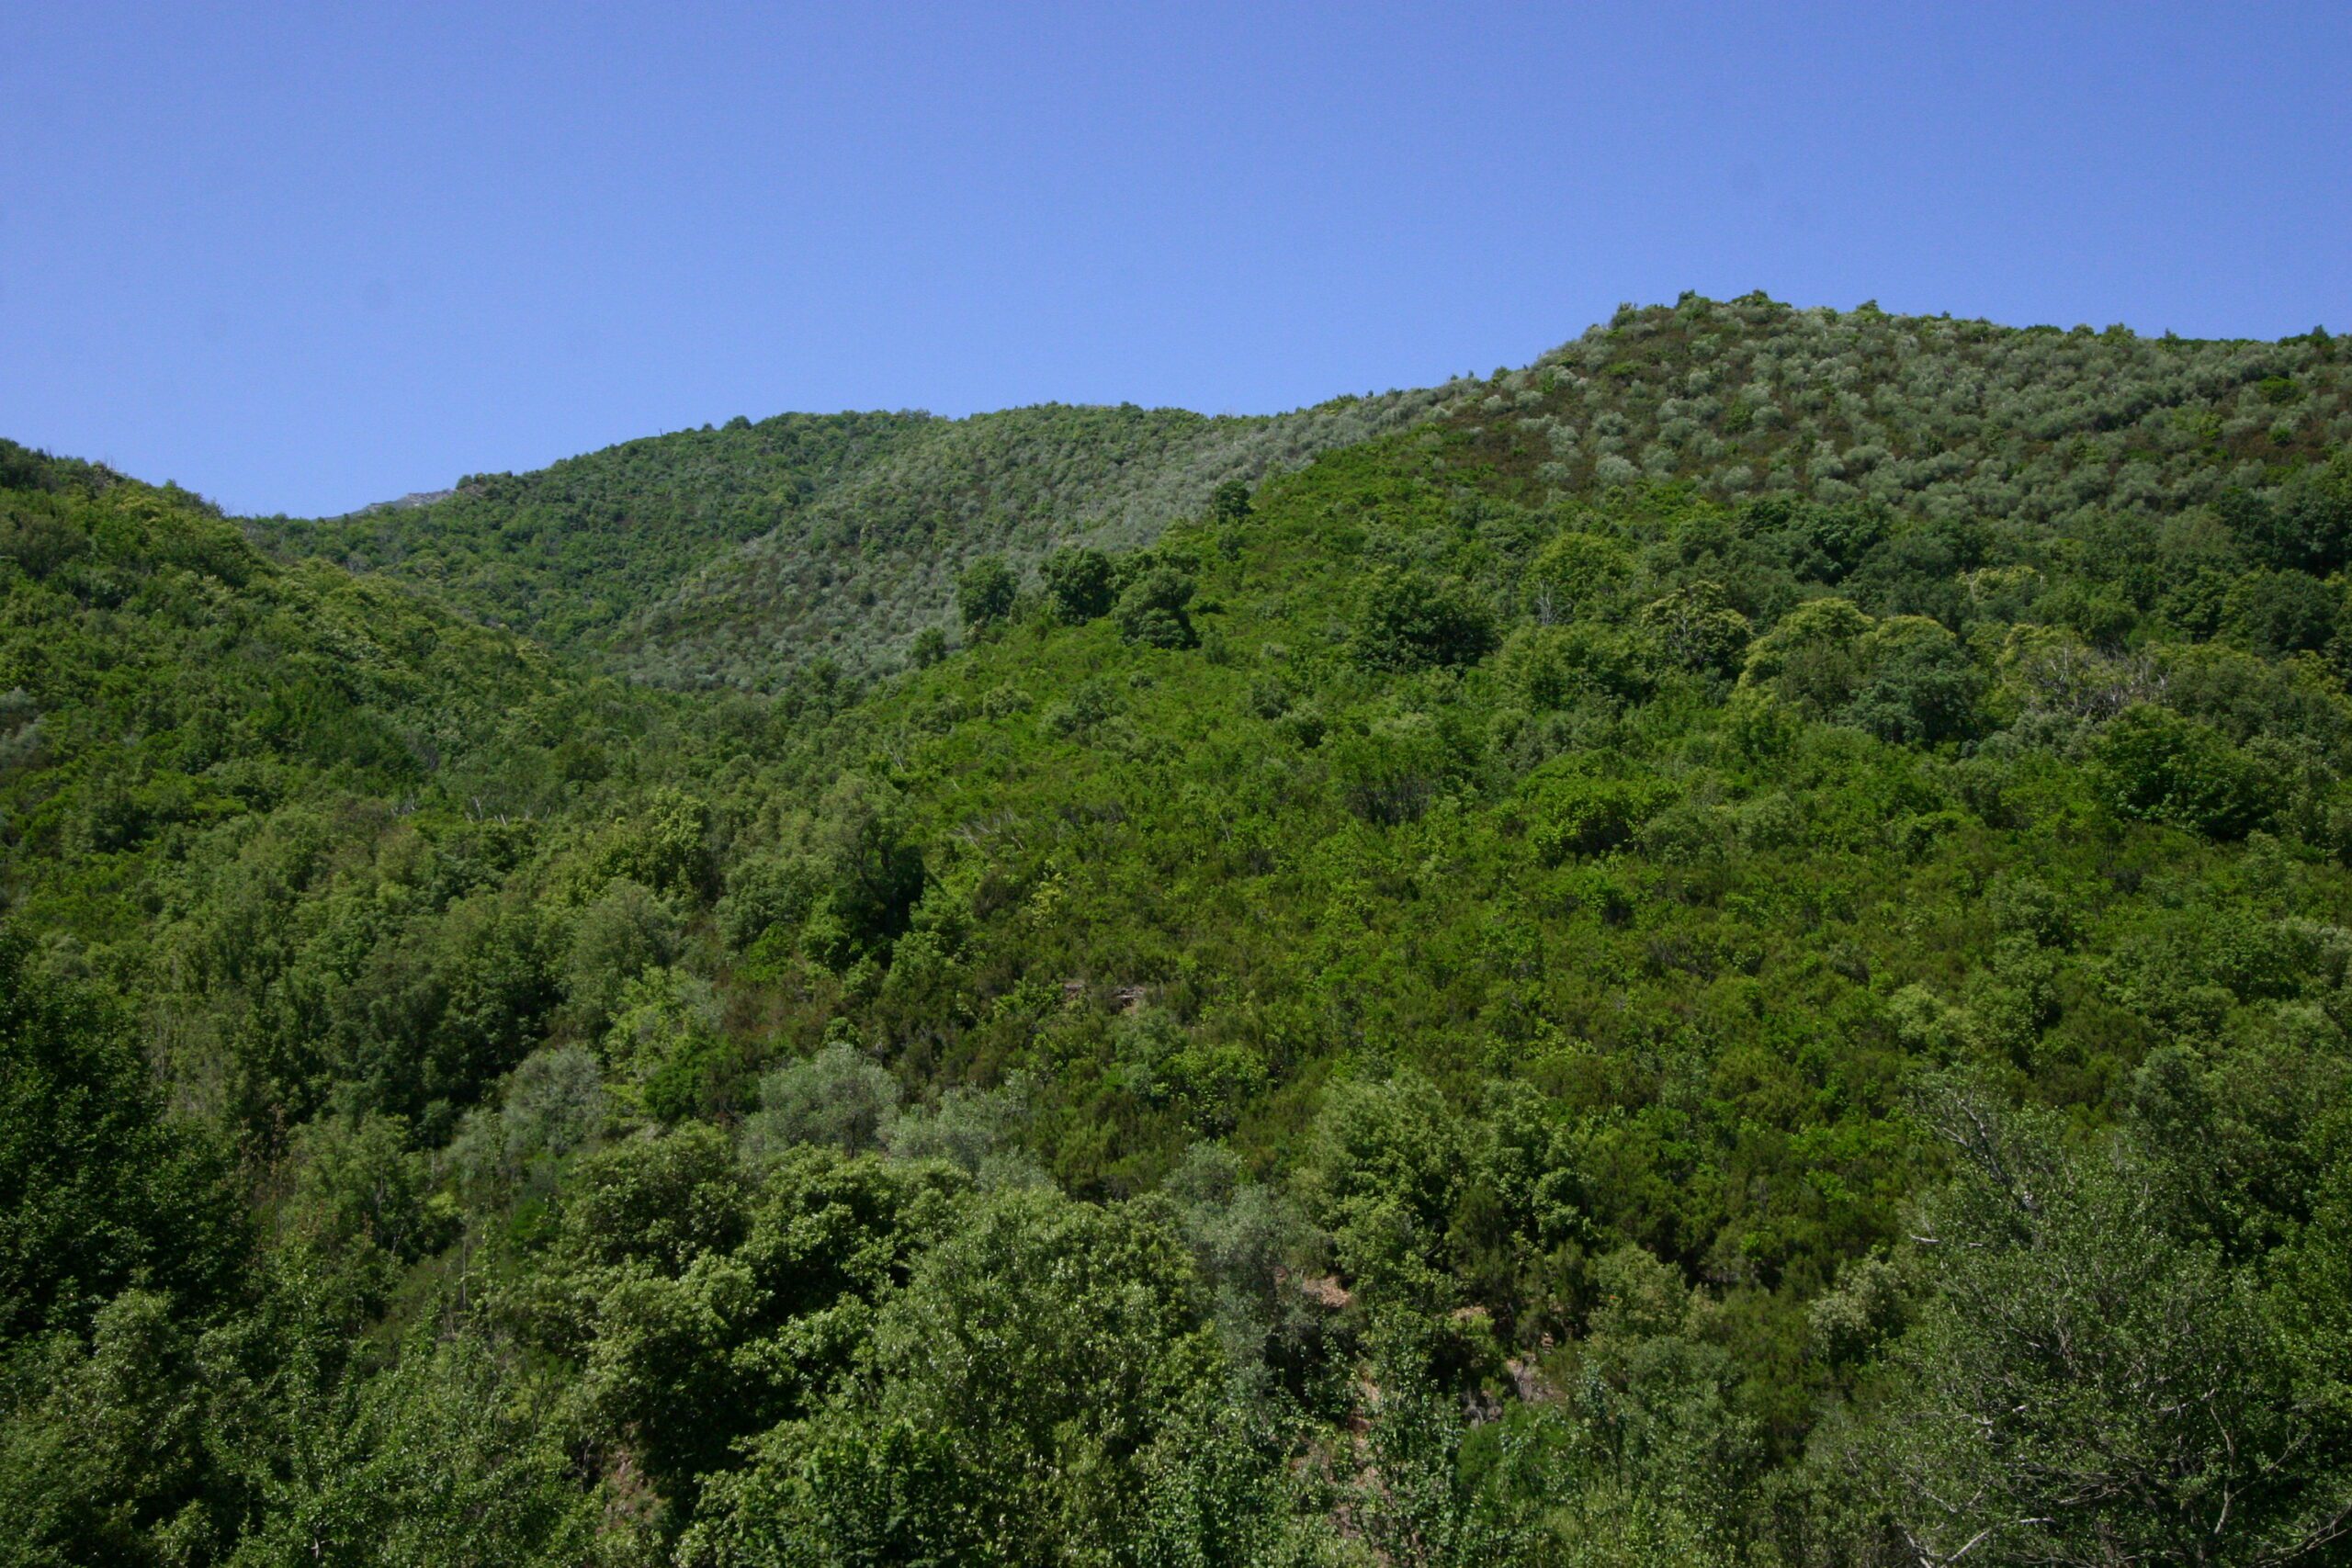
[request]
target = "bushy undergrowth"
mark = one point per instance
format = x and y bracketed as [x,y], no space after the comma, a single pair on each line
[1612,976]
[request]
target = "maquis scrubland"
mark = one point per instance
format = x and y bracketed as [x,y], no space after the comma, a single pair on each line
[1731,948]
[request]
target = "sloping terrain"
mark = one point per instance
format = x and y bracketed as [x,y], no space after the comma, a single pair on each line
[735,556]
[574,550]
[1736,949]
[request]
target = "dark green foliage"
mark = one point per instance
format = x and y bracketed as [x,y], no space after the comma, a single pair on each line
[1824,543]
[98,1190]
[984,594]
[1922,689]
[1407,620]
[1734,949]
[1079,583]
[1152,609]
[2279,613]
[2160,766]
[2304,525]
[1393,773]
[846,888]
[443,1008]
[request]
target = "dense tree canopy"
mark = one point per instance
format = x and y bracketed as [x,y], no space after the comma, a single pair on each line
[1734,947]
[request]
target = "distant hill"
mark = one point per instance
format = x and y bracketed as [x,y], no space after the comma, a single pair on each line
[573,551]
[732,556]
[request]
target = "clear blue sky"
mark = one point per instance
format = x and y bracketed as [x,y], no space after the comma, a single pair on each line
[303,257]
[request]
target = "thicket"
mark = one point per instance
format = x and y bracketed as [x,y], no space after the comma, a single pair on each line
[1464,1004]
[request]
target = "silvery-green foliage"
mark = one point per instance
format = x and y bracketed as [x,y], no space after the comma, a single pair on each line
[838,1098]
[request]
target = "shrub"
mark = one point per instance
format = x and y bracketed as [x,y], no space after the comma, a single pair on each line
[984,594]
[1408,620]
[836,1098]
[1078,584]
[1570,814]
[2279,613]
[1152,610]
[1393,774]
[1922,687]
[2160,767]
[1574,575]
[1814,656]
[1695,628]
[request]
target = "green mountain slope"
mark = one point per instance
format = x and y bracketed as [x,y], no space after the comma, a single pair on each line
[569,553]
[735,556]
[163,678]
[1932,416]
[1611,977]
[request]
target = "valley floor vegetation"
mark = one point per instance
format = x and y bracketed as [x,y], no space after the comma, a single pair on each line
[1734,947]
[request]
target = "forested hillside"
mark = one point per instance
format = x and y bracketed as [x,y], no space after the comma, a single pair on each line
[735,557]
[1735,949]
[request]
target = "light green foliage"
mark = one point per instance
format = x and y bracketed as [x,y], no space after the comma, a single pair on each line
[837,1098]
[1575,576]
[1006,1411]
[1555,667]
[1385,1164]
[446,1458]
[1694,628]
[361,1206]
[553,1102]
[103,1459]
[974,1130]
[1572,813]
[570,553]
[1814,657]
[744,553]
[873,554]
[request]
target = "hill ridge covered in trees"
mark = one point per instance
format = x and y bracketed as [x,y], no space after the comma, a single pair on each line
[1734,947]
[741,553]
